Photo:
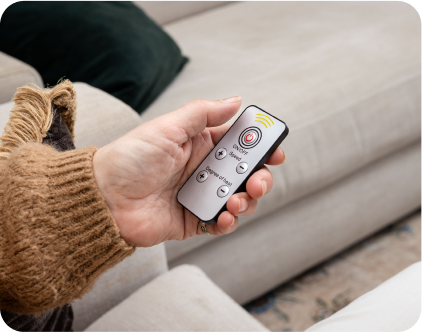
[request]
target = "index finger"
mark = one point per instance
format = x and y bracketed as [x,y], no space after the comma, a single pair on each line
[193,117]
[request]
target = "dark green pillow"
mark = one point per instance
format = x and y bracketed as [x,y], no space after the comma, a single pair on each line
[113,46]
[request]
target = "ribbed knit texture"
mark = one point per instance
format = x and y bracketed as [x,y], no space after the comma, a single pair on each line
[56,232]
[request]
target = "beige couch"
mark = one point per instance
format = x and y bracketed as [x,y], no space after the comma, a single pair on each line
[344,76]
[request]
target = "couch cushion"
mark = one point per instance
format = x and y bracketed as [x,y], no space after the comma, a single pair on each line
[113,46]
[258,257]
[183,299]
[13,74]
[164,12]
[118,283]
[100,118]
[344,76]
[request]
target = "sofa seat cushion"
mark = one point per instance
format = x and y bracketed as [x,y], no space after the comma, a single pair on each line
[118,283]
[183,299]
[344,76]
[100,117]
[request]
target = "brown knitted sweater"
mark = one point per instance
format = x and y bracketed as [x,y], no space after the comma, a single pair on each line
[56,232]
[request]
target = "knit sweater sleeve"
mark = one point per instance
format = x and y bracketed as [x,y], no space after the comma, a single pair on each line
[57,235]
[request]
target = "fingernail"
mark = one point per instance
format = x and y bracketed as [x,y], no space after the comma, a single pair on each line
[233,222]
[283,155]
[243,205]
[235,99]
[264,187]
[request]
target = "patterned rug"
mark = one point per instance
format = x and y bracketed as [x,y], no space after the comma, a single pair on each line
[329,287]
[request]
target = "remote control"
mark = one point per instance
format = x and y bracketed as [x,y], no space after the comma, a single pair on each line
[243,150]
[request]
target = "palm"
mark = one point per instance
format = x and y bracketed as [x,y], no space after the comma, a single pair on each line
[152,168]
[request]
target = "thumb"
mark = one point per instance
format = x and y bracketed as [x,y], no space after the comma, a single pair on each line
[198,114]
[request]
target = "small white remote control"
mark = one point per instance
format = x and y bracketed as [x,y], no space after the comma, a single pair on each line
[243,150]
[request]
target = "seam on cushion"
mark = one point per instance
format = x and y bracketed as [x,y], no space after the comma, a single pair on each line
[361,101]
[325,185]
[344,176]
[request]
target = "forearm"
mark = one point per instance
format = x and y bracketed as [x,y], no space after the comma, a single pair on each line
[57,234]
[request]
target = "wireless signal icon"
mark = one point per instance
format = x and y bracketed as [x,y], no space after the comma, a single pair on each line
[264,119]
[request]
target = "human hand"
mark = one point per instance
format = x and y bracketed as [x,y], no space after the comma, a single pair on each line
[140,174]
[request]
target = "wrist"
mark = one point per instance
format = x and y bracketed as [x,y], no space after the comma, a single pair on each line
[100,165]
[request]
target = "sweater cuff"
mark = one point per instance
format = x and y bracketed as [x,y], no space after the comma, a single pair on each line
[62,231]
[77,202]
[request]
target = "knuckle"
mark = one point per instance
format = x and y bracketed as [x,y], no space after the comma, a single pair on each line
[198,103]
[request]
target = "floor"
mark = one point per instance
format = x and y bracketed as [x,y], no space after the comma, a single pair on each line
[320,292]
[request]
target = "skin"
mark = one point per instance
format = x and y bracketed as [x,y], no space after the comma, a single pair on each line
[140,174]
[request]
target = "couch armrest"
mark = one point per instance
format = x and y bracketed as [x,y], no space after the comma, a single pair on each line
[118,283]
[13,74]
[100,117]
[183,299]
[395,305]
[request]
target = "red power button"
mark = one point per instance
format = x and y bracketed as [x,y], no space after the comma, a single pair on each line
[250,137]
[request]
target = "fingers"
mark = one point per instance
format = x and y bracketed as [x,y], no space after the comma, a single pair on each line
[241,204]
[193,117]
[226,224]
[260,183]
[277,158]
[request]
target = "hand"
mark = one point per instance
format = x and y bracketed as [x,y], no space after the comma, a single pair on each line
[140,174]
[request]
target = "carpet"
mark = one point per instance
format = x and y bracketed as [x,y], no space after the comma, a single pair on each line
[332,285]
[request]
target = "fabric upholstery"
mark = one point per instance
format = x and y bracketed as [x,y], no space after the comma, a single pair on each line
[183,299]
[164,12]
[100,118]
[112,45]
[344,76]
[395,305]
[266,253]
[118,283]
[13,74]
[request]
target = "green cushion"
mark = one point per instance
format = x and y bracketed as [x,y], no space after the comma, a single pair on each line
[113,46]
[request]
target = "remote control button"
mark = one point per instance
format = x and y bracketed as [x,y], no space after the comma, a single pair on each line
[202,176]
[242,168]
[221,153]
[250,137]
[222,191]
